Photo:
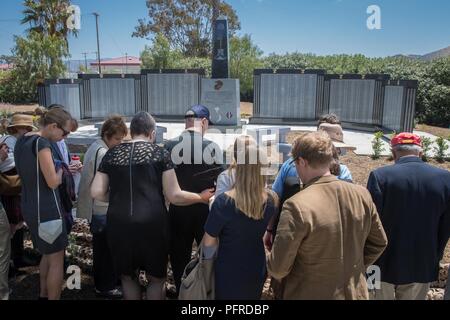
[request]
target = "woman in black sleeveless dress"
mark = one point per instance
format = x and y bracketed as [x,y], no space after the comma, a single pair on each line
[40,181]
[139,174]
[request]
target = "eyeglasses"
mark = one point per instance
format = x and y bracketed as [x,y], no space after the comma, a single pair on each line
[65,132]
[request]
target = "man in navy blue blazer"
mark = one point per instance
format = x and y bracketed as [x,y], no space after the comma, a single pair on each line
[413,201]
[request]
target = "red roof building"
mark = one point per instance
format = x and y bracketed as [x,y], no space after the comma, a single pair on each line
[5,66]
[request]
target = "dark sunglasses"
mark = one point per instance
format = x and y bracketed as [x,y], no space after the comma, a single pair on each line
[65,132]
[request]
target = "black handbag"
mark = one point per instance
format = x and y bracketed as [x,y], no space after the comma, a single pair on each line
[67,189]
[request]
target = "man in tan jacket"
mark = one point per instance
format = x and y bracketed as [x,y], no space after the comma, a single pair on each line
[328,234]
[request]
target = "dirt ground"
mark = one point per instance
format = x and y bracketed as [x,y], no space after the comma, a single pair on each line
[17,108]
[438,132]
[246,109]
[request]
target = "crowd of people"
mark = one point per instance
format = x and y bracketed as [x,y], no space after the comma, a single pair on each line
[313,231]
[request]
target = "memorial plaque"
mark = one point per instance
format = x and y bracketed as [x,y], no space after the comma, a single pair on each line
[65,94]
[112,96]
[171,94]
[353,100]
[222,98]
[288,96]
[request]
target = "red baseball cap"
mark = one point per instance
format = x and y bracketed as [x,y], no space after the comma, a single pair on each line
[406,138]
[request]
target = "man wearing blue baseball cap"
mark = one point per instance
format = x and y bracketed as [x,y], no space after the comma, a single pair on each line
[198,164]
[199,112]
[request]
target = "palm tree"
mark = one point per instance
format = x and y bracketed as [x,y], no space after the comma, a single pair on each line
[48,17]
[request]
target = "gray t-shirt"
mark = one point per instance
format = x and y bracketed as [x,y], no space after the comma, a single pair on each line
[225,182]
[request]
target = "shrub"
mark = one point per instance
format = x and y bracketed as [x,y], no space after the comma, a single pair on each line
[426,146]
[441,149]
[377,145]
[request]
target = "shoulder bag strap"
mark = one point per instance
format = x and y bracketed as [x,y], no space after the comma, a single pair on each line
[95,161]
[37,178]
[38,187]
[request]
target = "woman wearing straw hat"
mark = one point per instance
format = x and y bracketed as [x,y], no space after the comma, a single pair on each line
[20,124]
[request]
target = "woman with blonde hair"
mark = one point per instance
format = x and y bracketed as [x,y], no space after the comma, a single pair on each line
[226,180]
[237,223]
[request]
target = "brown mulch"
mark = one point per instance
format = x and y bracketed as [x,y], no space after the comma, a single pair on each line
[361,166]
[436,131]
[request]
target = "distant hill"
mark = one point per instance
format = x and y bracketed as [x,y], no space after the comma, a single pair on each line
[429,56]
[437,54]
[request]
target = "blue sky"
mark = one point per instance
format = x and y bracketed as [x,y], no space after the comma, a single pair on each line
[315,26]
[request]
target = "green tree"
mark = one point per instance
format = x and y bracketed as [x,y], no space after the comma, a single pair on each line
[439,71]
[83,69]
[187,24]
[160,55]
[7,59]
[48,17]
[245,56]
[38,57]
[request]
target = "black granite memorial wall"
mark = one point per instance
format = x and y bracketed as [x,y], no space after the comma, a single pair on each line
[370,101]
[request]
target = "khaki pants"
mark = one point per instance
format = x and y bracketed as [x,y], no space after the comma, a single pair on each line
[412,291]
[5,251]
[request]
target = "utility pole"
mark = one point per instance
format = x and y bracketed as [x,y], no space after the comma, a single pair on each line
[85,60]
[126,63]
[98,43]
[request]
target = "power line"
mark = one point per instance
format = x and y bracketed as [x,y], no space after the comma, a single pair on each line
[85,54]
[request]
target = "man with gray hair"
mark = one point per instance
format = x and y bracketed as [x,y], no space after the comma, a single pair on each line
[413,201]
